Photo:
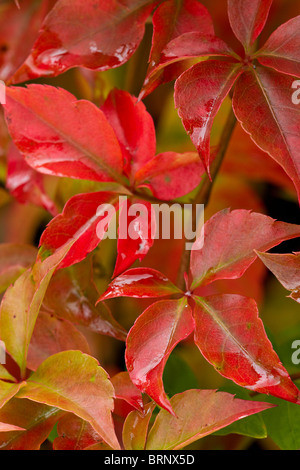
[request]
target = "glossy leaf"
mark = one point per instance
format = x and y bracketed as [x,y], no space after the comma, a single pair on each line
[74,434]
[198,414]
[170,175]
[281,51]
[140,283]
[26,184]
[181,30]
[134,129]
[72,295]
[286,267]
[263,104]
[8,390]
[196,109]
[21,304]
[4,427]
[151,340]
[14,259]
[36,419]
[231,337]
[244,232]
[19,28]
[52,335]
[136,233]
[79,224]
[135,428]
[126,390]
[58,133]
[73,381]
[247,19]
[89,33]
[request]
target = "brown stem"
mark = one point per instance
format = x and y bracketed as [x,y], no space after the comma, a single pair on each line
[204,191]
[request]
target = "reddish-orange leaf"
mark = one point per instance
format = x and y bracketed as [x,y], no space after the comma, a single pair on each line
[198,414]
[243,231]
[181,30]
[74,434]
[18,30]
[247,19]
[126,390]
[198,109]
[231,336]
[36,419]
[286,267]
[282,49]
[72,295]
[140,283]
[89,33]
[73,381]
[263,104]
[78,225]
[151,340]
[64,136]
[52,335]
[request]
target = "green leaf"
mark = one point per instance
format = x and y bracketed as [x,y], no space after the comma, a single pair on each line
[21,304]
[178,382]
[283,424]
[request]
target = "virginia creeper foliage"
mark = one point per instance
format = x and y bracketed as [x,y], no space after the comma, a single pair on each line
[111,108]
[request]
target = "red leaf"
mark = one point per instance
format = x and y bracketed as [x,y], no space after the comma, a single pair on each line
[134,128]
[137,226]
[52,335]
[72,295]
[197,109]
[88,33]
[181,30]
[74,434]
[79,223]
[140,283]
[36,419]
[18,31]
[151,340]
[262,103]
[244,232]
[248,18]
[126,390]
[231,337]
[170,175]
[282,49]
[286,267]
[198,414]
[63,136]
[25,184]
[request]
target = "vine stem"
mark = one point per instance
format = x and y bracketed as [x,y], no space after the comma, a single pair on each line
[204,190]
